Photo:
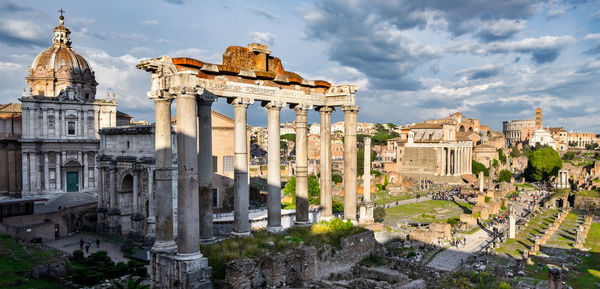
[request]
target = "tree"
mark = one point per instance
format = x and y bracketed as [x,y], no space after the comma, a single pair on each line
[476,167]
[337,179]
[501,156]
[504,176]
[379,214]
[289,137]
[568,156]
[360,161]
[515,152]
[391,126]
[495,163]
[542,164]
[132,283]
[314,192]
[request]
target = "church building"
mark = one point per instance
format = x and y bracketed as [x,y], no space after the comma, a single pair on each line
[60,121]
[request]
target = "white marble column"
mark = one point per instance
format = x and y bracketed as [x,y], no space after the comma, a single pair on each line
[350,174]
[151,220]
[112,187]
[367,171]
[443,160]
[25,172]
[301,165]
[84,123]
[455,165]
[44,122]
[163,178]
[56,124]
[325,162]
[205,166]
[46,173]
[136,203]
[34,172]
[64,160]
[86,171]
[241,198]
[274,167]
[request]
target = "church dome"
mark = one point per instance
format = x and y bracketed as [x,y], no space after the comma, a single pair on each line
[59,69]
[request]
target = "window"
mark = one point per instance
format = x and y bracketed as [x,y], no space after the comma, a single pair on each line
[227,163]
[215,197]
[71,127]
[214,163]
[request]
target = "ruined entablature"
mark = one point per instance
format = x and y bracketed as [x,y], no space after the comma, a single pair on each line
[245,72]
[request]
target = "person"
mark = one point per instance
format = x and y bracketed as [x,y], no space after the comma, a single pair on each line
[89,243]
[465,241]
[97,243]
[87,248]
[81,244]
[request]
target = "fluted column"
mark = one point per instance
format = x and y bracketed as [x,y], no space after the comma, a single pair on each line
[136,204]
[325,161]
[367,171]
[205,170]
[151,220]
[241,201]
[25,171]
[163,177]
[86,171]
[58,174]
[274,167]
[301,166]
[46,173]
[188,233]
[113,192]
[350,120]
[443,161]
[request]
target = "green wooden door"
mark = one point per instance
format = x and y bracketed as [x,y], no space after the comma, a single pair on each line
[72,182]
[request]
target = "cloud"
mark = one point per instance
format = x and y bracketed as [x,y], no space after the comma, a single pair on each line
[22,33]
[263,13]
[480,72]
[262,37]
[176,2]
[150,22]
[544,49]
[12,7]
[594,36]
[555,13]
[499,29]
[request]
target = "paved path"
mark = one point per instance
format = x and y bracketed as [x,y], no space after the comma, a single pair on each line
[70,244]
[407,201]
[451,258]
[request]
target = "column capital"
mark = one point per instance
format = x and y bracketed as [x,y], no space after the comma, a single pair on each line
[160,97]
[185,91]
[325,109]
[242,102]
[301,107]
[350,108]
[274,104]
[206,97]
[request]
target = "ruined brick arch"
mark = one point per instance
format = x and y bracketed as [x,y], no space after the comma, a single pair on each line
[470,129]
[462,128]
[125,183]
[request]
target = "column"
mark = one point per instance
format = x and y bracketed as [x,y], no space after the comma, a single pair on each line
[325,143]
[44,122]
[112,184]
[34,172]
[367,171]
[84,123]
[151,220]
[56,123]
[136,205]
[86,171]
[46,173]
[99,186]
[350,119]
[241,224]
[25,171]
[163,177]
[274,167]
[301,166]
[64,160]
[443,161]
[455,160]
[205,169]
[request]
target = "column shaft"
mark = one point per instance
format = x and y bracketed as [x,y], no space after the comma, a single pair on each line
[136,205]
[325,161]
[205,169]
[151,194]
[187,180]
[274,168]
[350,119]
[301,166]
[86,171]
[58,174]
[241,223]
[163,176]
[367,171]
[25,171]
[46,173]
[113,192]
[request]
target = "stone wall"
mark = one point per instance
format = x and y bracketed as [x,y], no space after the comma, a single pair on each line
[586,202]
[300,265]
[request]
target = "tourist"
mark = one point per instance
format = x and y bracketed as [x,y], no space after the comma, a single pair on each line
[87,248]
[81,244]
[97,243]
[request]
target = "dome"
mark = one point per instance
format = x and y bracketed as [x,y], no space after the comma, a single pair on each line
[59,69]
[57,56]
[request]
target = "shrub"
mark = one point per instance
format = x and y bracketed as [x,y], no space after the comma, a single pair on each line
[337,179]
[373,261]
[379,214]
[478,167]
[78,255]
[504,176]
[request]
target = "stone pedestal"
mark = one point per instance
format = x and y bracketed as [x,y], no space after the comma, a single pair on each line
[150,230]
[102,224]
[366,214]
[169,271]
[114,222]
[137,220]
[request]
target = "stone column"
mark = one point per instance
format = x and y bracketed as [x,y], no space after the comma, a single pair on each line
[56,123]
[188,234]
[274,168]
[241,223]
[350,120]
[114,213]
[25,172]
[455,160]
[511,223]
[205,170]
[151,220]
[301,166]
[325,162]
[86,171]
[163,177]
[443,162]
[481,181]
[34,172]
[136,204]
[44,122]
[57,173]
[366,209]
[46,173]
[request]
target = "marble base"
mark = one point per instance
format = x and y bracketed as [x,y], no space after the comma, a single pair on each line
[274,229]
[170,271]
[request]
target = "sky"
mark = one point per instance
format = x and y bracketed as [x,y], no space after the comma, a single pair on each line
[412,60]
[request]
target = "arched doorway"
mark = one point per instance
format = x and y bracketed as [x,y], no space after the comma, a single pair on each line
[73,175]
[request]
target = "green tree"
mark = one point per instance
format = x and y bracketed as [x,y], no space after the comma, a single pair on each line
[504,176]
[542,164]
[132,283]
[515,152]
[337,179]
[379,214]
[495,163]
[501,156]
[289,137]
[314,192]
[360,161]
[476,167]
[568,156]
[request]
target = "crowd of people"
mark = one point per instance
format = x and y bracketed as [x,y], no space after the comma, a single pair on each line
[452,194]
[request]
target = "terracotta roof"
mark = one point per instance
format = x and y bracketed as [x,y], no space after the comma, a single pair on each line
[427,125]
[122,114]
[10,108]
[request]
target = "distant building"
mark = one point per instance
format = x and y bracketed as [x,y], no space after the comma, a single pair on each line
[10,149]
[520,131]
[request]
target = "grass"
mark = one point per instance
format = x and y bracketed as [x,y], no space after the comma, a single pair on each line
[428,211]
[589,268]
[262,242]
[17,258]
[524,239]
[589,194]
[565,235]
[525,185]
[384,197]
